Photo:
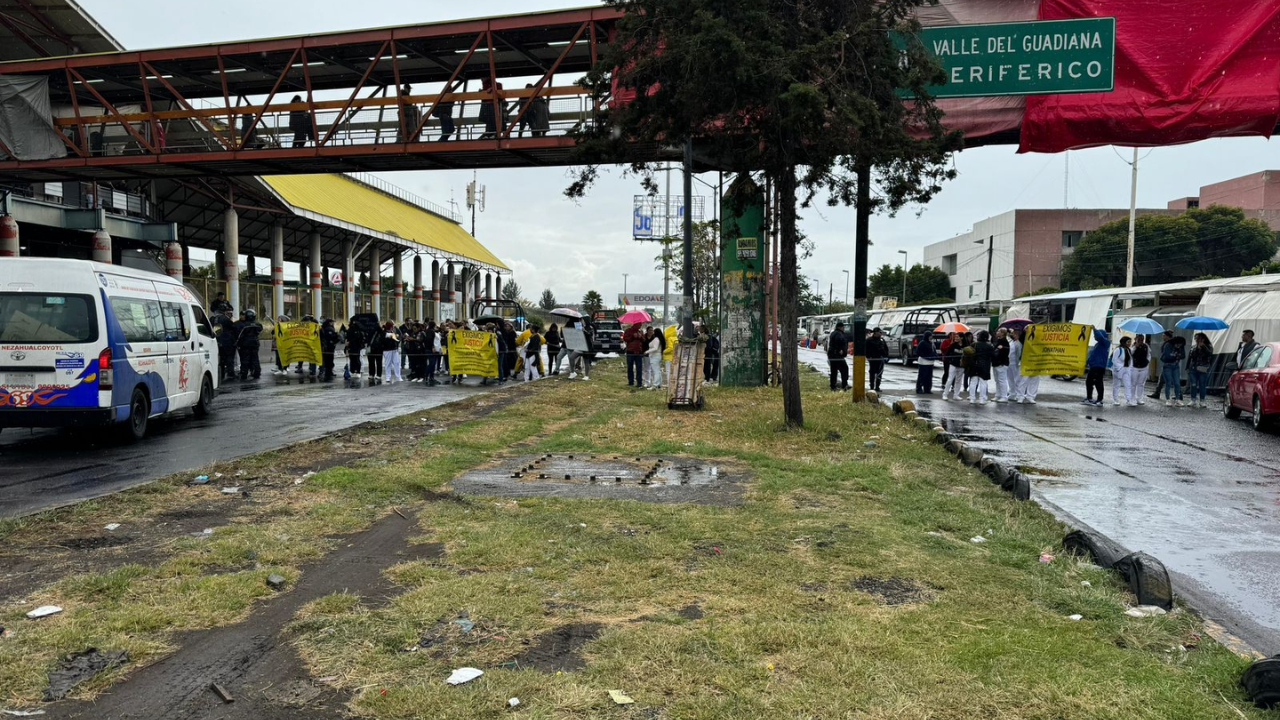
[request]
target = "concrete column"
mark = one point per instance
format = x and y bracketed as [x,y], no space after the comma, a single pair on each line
[463,291]
[435,290]
[419,310]
[102,247]
[277,271]
[317,276]
[397,278]
[375,279]
[497,286]
[450,283]
[219,259]
[349,278]
[10,245]
[173,260]
[488,286]
[475,284]
[231,258]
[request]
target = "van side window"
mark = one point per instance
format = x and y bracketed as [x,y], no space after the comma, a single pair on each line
[175,322]
[202,322]
[140,319]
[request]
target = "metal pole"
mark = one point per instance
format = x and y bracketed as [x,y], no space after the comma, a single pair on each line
[904,277]
[846,286]
[1133,219]
[862,237]
[666,249]
[686,326]
[991,252]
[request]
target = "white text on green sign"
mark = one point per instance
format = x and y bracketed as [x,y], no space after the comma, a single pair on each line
[1027,58]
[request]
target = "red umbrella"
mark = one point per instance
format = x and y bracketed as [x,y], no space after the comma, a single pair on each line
[635,316]
[957,327]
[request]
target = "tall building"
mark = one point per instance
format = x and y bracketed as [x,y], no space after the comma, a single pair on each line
[1020,251]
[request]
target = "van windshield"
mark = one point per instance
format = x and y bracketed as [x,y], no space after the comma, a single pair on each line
[28,318]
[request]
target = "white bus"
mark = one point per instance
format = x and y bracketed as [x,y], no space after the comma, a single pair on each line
[84,343]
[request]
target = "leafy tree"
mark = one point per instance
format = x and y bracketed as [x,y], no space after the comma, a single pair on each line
[511,291]
[807,92]
[592,303]
[925,283]
[1215,241]
[548,300]
[1269,267]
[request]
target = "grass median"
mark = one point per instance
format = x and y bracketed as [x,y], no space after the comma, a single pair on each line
[845,584]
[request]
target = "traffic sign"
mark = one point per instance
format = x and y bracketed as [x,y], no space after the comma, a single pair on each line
[1041,57]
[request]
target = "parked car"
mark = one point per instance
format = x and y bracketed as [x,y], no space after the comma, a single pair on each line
[608,335]
[83,343]
[1255,387]
[918,322]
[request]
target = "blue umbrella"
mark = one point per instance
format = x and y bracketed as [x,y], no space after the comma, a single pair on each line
[1202,323]
[1141,325]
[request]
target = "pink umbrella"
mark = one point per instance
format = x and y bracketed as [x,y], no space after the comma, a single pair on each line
[635,316]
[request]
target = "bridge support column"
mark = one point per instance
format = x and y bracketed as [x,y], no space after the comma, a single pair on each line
[349,278]
[231,258]
[419,310]
[435,290]
[317,276]
[488,286]
[475,287]
[102,247]
[277,271]
[375,279]
[497,287]
[10,245]
[397,278]
[173,260]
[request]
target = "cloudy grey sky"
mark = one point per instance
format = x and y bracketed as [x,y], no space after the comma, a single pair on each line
[573,247]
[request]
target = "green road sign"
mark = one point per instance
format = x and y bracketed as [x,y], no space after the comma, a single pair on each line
[1044,57]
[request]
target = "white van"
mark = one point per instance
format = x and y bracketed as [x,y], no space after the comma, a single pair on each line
[85,343]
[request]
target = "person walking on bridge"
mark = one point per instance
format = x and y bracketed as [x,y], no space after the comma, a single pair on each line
[300,124]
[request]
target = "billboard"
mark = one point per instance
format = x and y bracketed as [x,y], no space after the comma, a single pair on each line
[655,216]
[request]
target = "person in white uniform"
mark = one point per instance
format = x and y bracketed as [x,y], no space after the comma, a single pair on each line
[1028,387]
[1122,372]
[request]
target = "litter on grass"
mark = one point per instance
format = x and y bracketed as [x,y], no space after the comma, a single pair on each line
[464,675]
[230,491]
[977,539]
[1075,617]
[44,611]
[200,480]
[513,702]
[111,526]
[1085,583]
[1143,611]
[1046,557]
[22,713]
[620,698]
[464,625]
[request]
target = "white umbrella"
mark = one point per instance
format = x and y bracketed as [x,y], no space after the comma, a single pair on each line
[567,312]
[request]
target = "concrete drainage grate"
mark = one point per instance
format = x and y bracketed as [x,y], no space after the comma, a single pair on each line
[644,478]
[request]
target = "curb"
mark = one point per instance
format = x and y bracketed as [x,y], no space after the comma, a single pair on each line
[1147,577]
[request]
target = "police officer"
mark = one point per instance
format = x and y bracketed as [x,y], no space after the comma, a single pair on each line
[220,305]
[248,340]
[227,334]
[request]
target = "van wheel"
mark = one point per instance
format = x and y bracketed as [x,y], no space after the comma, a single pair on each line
[135,428]
[204,406]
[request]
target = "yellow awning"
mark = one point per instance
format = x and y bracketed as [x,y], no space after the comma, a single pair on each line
[345,199]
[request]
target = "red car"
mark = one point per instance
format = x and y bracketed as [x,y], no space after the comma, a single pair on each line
[1255,387]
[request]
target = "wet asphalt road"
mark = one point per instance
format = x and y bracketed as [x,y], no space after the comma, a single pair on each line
[46,468]
[1197,491]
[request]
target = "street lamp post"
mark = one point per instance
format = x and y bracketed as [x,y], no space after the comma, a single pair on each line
[846,286]
[903,253]
[624,282]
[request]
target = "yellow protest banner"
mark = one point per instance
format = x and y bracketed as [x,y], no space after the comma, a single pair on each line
[298,342]
[1056,349]
[473,353]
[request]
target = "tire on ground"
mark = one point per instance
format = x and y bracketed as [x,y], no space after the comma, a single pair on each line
[1148,579]
[1261,682]
[1104,551]
[1021,487]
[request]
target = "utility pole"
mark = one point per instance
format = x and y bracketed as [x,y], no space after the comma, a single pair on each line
[846,286]
[1133,219]
[831,295]
[862,240]
[903,253]
[666,249]
[475,199]
[624,282]
[686,325]
[991,253]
